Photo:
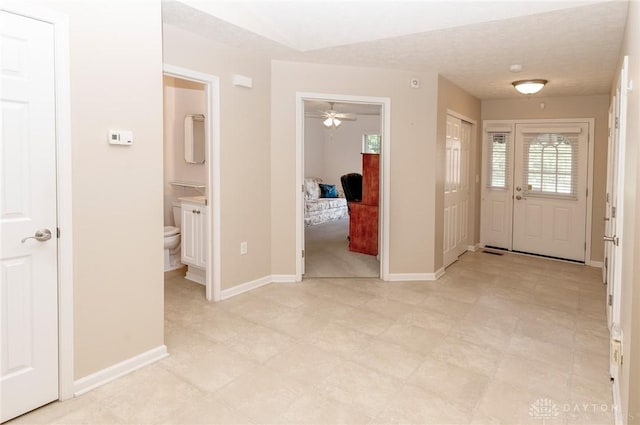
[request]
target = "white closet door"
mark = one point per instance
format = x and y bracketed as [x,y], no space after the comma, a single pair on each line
[28,268]
[456,189]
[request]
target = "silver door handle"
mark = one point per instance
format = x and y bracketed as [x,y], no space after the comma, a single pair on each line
[41,235]
[613,239]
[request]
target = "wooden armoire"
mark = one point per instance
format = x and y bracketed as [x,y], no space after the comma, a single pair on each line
[363,215]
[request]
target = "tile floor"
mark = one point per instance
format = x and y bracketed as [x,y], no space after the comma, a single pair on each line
[497,340]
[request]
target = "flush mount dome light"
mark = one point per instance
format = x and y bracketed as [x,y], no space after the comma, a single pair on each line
[529,86]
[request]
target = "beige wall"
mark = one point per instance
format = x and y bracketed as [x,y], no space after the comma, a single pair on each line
[413,156]
[181,98]
[630,291]
[313,148]
[117,190]
[453,98]
[245,149]
[568,107]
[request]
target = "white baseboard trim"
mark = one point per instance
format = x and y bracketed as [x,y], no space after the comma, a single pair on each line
[409,277]
[244,287]
[597,264]
[617,404]
[283,278]
[125,367]
[473,248]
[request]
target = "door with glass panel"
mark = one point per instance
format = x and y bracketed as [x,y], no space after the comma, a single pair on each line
[534,193]
[550,189]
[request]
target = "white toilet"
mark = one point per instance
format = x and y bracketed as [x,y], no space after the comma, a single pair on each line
[172,240]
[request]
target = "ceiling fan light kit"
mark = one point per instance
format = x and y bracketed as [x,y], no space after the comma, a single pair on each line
[332,122]
[529,86]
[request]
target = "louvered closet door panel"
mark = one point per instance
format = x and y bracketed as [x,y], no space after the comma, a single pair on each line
[549,213]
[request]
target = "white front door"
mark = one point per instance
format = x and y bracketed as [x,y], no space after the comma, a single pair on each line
[456,189]
[28,267]
[550,197]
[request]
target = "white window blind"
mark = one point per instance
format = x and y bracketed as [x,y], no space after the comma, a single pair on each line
[551,165]
[499,164]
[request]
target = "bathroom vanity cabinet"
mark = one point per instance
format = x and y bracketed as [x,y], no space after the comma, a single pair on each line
[194,241]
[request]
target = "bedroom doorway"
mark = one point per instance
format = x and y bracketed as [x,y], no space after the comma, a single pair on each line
[341,162]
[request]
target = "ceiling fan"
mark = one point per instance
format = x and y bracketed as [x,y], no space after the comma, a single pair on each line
[332,118]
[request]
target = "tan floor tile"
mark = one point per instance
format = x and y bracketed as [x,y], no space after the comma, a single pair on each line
[420,340]
[261,394]
[414,405]
[492,318]
[461,386]
[590,343]
[295,323]
[388,358]
[479,334]
[305,362]
[555,356]
[358,386]
[194,366]
[313,408]
[260,343]
[453,308]
[389,308]
[592,366]
[338,339]
[429,319]
[547,332]
[534,377]
[207,411]
[363,320]
[478,358]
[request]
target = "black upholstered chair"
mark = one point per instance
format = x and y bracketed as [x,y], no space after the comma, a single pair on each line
[352,186]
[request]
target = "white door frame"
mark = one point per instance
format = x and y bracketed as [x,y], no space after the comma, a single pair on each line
[60,24]
[383,229]
[591,122]
[212,141]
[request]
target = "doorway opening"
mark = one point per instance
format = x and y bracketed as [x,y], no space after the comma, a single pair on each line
[342,144]
[342,138]
[191,179]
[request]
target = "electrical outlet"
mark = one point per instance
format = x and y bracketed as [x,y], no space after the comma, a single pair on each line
[243,248]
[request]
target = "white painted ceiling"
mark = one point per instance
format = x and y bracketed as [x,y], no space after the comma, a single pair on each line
[573,44]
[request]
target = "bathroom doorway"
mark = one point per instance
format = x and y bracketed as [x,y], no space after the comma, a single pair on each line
[191,180]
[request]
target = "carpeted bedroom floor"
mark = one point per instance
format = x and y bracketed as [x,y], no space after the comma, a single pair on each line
[327,253]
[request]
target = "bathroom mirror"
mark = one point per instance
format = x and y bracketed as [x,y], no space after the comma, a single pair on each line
[194,139]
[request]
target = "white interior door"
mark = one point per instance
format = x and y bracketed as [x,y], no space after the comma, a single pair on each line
[28,268]
[614,232]
[456,189]
[550,198]
[610,218]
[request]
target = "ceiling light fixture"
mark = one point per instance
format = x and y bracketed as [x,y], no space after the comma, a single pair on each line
[332,122]
[529,86]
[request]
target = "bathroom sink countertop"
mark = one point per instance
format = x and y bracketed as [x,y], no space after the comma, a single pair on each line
[202,199]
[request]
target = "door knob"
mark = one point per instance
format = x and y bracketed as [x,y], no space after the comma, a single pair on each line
[613,239]
[518,197]
[518,188]
[40,235]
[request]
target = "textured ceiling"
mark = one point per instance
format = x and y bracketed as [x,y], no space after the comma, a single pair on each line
[575,48]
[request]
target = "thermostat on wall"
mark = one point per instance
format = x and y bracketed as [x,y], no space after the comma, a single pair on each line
[120,137]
